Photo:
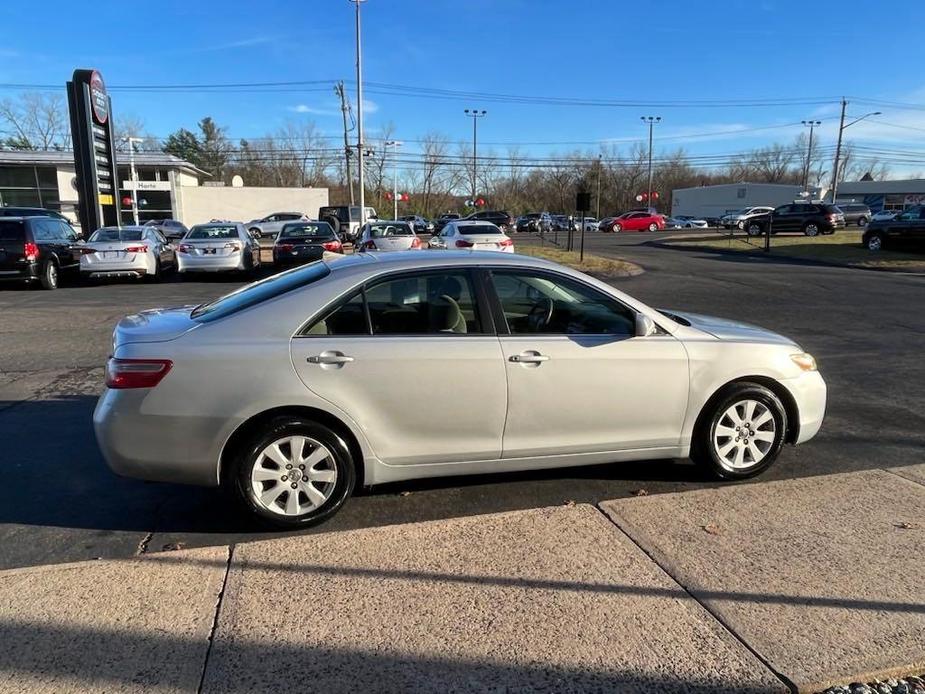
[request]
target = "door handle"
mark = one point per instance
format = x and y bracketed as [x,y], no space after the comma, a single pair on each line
[528,358]
[329,358]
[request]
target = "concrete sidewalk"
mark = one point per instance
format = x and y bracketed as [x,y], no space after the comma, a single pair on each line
[743,588]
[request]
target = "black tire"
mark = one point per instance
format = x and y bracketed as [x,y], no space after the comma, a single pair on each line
[616,228]
[703,451]
[334,222]
[50,275]
[862,222]
[754,229]
[874,242]
[282,427]
[256,232]
[811,229]
[653,227]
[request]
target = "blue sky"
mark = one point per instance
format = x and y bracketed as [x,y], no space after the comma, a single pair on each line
[608,49]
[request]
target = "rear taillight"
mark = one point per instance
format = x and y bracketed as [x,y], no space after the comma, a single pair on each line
[233,246]
[87,251]
[507,242]
[136,373]
[284,247]
[332,246]
[31,251]
[185,248]
[416,242]
[136,249]
[370,245]
[464,244]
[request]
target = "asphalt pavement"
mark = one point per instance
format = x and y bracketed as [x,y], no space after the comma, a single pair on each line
[61,503]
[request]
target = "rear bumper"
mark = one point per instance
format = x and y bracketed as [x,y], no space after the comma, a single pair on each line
[25,273]
[189,263]
[101,268]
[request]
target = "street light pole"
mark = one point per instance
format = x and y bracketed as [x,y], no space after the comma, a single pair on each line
[360,113]
[131,162]
[651,120]
[841,129]
[600,166]
[809,151]
[394,143]
[475,114]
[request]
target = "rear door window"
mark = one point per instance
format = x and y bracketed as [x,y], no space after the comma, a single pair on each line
[12,231]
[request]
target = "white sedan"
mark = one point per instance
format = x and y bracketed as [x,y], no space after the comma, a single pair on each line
[132,251]
[387,236]
[683,221]
[472,235]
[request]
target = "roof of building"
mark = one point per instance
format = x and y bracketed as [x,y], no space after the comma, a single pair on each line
[66,156]
[910,185]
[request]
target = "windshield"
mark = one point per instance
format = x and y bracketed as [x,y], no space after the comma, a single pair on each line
[312,230]
[258,292]
[472,229]
[115,235]
[379,231]
[210,232]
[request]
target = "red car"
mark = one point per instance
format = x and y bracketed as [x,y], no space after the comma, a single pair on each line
[636,221]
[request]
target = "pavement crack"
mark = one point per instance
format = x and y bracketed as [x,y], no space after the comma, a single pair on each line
[728,628]
[215,617]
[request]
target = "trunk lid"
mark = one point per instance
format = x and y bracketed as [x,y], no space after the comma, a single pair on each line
[153,325]
[214,247]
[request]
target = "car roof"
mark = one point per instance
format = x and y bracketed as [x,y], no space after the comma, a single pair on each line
[410,260]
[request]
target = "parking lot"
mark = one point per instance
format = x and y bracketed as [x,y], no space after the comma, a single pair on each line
[60,502]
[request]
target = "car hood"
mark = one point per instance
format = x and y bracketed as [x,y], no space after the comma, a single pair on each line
[154,325]
[725,329]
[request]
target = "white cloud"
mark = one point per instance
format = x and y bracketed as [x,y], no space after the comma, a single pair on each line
[305,108]
[370,106]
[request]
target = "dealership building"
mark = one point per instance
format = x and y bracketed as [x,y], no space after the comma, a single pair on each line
[167,188]
[884,195]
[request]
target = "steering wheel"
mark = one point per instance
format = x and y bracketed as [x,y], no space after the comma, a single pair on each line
[540,315]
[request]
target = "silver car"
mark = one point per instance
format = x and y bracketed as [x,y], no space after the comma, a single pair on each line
[387,236]
[218,247]
[272,224]
[128,251]
[529,364]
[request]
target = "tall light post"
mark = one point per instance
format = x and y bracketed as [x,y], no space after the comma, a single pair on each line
[396,144]
[651,120]
[360,113]
[600,166]
[811,124]
[131,163]
[475,114]
[841,129]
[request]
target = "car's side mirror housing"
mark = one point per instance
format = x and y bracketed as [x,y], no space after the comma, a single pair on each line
[645,326]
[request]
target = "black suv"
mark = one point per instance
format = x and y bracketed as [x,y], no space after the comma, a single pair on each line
[809,218]
[855,213]
[420,224]
[906,227]
[38,249]
[497,217]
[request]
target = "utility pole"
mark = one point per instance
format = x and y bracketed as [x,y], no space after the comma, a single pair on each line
[474,114]
[394,143]
[836,174]
[362,183]
[600,166]
[809,151]
[131,162]
[345,109]
[651,120]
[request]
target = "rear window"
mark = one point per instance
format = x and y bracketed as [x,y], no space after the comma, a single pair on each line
[258,292]
[114,235]
[379,231]
[473,229]
[11,231]
[313,230]
[210,232]
[831,209]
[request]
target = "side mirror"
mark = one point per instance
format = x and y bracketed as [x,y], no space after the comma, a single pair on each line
[645,326]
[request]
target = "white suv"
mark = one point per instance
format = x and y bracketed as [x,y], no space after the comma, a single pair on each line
[272,224]
[737,220]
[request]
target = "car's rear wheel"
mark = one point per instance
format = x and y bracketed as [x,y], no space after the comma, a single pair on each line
[862,222]
[754,229]
[49,277]
[742,433]
[617,228]
[811,229]
[293,473]
[653,227]
[874,242]
[255,232]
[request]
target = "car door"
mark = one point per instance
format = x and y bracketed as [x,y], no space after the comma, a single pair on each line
[413,359]
[579,380]
[781,219]
[67,245]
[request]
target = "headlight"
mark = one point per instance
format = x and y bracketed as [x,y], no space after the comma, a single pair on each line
[805,361]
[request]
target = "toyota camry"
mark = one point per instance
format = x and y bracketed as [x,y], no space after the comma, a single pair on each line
[297,389]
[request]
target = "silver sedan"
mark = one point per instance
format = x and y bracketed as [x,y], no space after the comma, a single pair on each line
[530,364]
[218,247]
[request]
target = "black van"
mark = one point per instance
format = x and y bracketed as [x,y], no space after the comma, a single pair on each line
[38,249]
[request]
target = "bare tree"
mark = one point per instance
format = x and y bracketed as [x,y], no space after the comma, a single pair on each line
[36,121]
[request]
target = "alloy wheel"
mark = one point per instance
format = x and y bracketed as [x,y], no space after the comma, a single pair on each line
[293,476]
[744,434]
[811,230]
[874,243]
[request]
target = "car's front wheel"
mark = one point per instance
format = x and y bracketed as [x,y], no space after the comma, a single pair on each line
[862,222]
[255,232]
[811,229]
[653,227]
[874,242]
[742,433]
[294,473]
[617,228]
[754,229]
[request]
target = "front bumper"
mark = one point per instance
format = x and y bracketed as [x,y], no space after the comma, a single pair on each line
[809,392]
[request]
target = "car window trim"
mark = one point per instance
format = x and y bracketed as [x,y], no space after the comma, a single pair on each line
[498,307]
[485,317]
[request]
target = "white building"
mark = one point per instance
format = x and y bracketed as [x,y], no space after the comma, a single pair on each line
[884,195]
[167,188]
[715,201]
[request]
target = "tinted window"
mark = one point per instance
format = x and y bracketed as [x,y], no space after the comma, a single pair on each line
[288,216]
[347,319]
[114,234]
[537,303]
[468,229]
[424,304]
[307,230]
[378,231]
[210,232]
[43,230]
[258,292]
[12,231]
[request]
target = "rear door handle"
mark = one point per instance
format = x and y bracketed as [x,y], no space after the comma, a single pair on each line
[528,358]
[329,358]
